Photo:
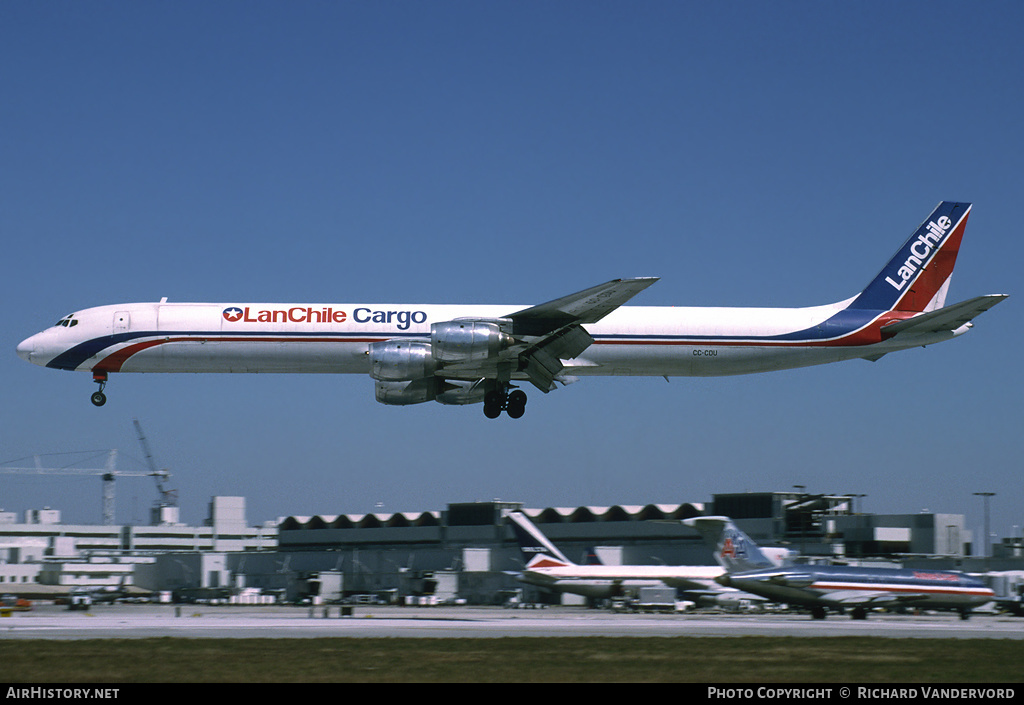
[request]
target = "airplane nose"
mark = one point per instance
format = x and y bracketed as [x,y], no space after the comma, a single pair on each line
[25,350]
[27,347]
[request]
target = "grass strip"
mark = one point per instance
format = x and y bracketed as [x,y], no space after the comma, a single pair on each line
[520,659]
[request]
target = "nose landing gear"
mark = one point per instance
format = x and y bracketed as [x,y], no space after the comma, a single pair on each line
[99,398]
[498,400]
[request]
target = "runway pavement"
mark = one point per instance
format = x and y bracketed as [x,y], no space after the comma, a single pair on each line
[202,621]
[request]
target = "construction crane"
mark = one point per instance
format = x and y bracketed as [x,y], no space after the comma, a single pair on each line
[108,474]
[168,497]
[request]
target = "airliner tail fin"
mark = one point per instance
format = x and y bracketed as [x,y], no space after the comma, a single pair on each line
[917,278]
[734,550]
[538,551]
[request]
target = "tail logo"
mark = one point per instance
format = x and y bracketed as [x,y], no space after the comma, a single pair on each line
[922,248]
[732,547]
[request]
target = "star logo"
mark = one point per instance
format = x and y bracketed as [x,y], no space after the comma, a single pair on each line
[233,314]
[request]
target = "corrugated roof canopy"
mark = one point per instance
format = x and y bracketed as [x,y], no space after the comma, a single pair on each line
[548,515]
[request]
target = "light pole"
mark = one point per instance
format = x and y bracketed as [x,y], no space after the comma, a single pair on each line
[803,496]
[985,496]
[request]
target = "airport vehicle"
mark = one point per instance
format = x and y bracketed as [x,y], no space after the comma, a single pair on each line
[652,599]
[548,568]
[470,354]
[99,595]
[835,587]
[12,603]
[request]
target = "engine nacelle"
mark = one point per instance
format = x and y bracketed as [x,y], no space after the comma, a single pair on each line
[457,393]
[396,360]
[409,392]
[467,340]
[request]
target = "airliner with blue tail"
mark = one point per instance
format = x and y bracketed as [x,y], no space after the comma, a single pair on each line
[821,588]
[468,354]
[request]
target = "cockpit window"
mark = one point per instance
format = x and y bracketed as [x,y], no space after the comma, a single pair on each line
[67,321]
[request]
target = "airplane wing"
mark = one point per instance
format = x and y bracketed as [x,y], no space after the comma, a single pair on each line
[695,585]
[587,306]
[551,332]
[877,598]
[556,326]
[949,318]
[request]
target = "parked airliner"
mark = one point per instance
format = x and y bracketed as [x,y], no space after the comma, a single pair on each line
[835,587]
[547,567]
[469,354]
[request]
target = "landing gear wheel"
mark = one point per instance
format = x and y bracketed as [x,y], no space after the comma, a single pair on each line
[516,404]
[818,613]
[100,378]
[498,400]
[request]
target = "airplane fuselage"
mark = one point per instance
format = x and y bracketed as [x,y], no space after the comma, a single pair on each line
[335,338]
[604,581]
[456,354]
[840,586]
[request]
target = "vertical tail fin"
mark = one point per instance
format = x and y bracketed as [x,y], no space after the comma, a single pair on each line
[917,277]
[733,549]
[538,551]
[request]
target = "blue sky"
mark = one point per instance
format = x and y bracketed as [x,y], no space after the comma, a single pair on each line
[761,154]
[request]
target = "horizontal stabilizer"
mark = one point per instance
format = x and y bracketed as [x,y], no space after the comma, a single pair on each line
[949,318]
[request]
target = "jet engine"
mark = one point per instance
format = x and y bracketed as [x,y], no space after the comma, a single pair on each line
[396,360]
[456,392]
[467,340]
[404,370]
[415,391]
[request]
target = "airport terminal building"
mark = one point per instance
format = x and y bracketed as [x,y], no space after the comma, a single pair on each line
[469,550]
[41,555]
[463,552]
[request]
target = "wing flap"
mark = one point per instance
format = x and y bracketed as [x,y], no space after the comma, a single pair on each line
[542,362]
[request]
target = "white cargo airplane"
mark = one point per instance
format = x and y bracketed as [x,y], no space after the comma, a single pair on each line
[469,354]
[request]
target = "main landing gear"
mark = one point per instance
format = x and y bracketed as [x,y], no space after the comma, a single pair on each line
[99,398]
[498,400]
